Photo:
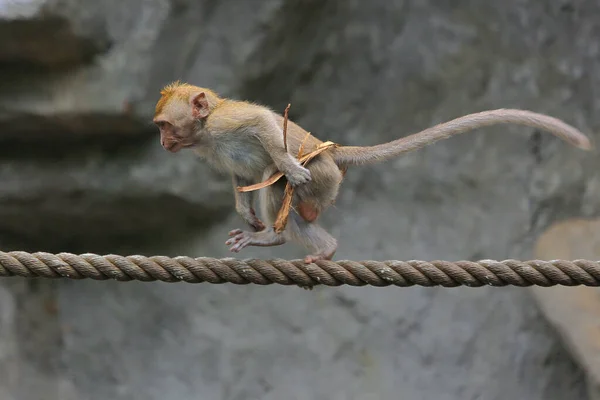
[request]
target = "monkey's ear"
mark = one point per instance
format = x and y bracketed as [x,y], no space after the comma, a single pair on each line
[200,106]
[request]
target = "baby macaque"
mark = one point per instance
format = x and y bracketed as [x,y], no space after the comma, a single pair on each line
[245,140]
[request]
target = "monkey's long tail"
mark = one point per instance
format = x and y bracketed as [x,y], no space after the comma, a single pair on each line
[358,155]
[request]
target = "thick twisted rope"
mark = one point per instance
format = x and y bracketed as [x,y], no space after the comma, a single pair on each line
[296,272]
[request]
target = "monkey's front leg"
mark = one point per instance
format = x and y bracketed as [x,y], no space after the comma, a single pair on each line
[271,138]
[295,173]
[243,204]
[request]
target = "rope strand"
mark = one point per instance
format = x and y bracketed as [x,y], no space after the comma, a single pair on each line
[296,272]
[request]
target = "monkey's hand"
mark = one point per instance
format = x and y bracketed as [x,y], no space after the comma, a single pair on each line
[297,174]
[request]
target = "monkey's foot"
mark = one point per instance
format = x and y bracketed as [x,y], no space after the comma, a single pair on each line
[240,239]
[325,255]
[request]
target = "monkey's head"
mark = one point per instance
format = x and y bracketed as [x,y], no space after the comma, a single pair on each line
[179,112]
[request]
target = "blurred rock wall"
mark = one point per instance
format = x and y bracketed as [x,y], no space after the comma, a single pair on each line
[81,170]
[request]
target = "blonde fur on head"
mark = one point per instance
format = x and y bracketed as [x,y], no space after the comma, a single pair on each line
[179,90]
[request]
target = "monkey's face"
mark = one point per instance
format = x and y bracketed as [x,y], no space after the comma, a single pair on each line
[177,127]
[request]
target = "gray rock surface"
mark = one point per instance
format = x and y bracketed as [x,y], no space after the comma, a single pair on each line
[355,73]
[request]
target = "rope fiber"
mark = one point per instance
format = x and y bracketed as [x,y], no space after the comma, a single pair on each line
[296,272]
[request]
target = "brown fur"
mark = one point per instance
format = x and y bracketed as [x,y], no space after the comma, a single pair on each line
[246,141]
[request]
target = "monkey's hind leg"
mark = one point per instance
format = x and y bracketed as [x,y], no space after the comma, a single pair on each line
[309,201]
[300,228]
[240,239]
[313,237]
[270,200]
